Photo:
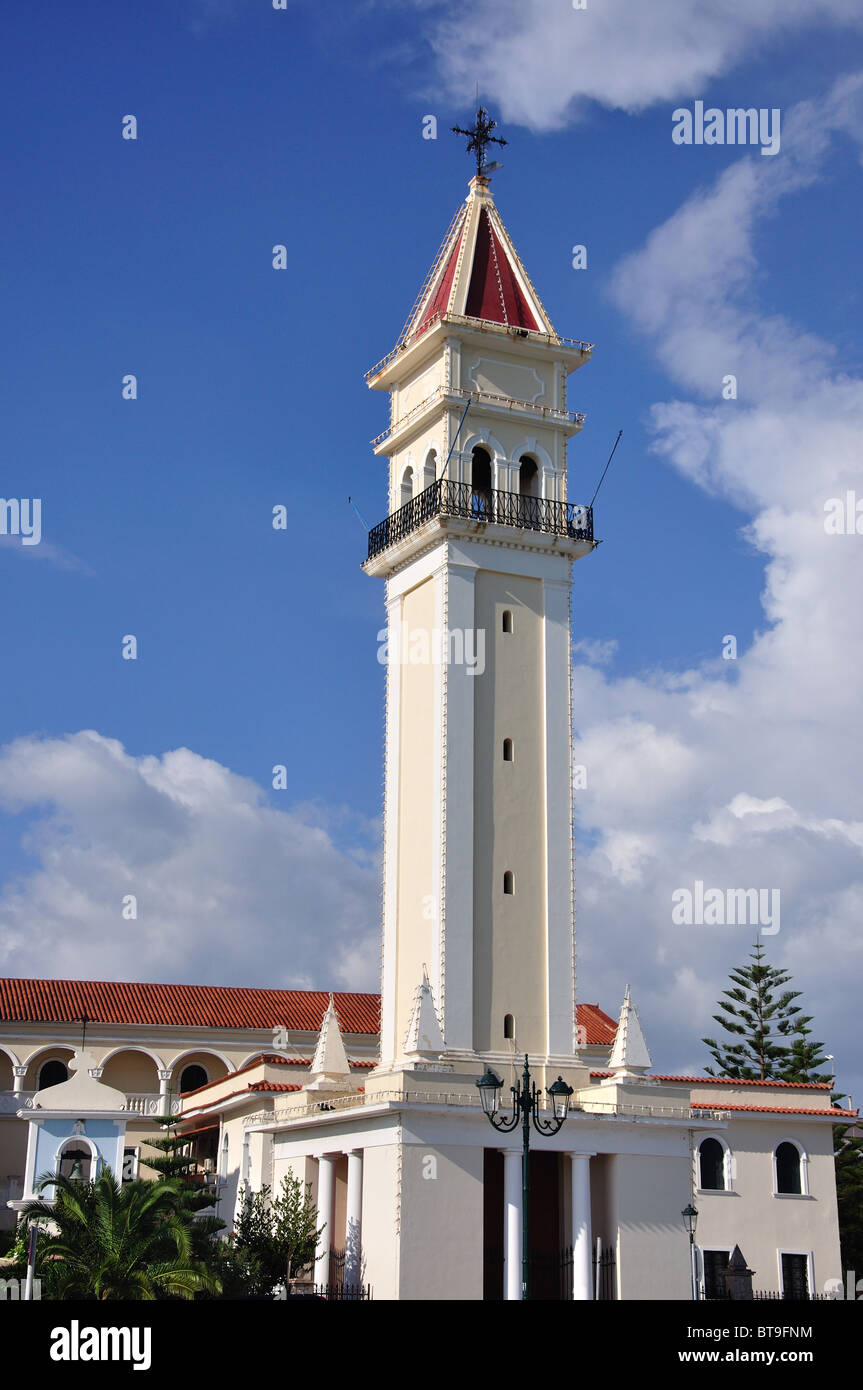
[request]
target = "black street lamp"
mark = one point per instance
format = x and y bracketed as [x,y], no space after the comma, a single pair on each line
[525,1106]
[690,1220]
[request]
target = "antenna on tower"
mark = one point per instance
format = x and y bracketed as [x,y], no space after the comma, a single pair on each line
[607,466]
[359,513]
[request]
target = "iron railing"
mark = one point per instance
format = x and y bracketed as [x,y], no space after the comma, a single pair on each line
[445,498]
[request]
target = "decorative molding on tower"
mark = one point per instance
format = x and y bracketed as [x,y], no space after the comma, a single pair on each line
[629,1058]
[424,1036]
[330,1070]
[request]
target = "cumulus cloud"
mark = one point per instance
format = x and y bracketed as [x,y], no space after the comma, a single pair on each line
[543,61]
[229,889]
[738,773]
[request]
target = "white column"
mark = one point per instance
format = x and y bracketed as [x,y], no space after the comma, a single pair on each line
[354,1218]
[18,1083]
[582,1254]
[512,1223]
[326,1192]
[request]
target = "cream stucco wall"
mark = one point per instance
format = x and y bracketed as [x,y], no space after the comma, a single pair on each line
[441,1222]
[509,817]
[761,1223]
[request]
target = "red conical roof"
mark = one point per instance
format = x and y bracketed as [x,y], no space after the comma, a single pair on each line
[477,274]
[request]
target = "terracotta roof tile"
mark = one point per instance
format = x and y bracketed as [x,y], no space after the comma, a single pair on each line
[213,1006]
[195,1006]
[729,1081]
[775,1109]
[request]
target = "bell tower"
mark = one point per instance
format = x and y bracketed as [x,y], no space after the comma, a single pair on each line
[478,954]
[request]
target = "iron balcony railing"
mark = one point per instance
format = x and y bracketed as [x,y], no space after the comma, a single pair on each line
[445,498]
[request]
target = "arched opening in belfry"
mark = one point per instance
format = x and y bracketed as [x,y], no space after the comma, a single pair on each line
[407,487]
[528,487]
[528,476]
[480,479]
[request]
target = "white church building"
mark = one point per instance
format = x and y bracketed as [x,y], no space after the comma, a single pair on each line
[478,944]
[413,1182]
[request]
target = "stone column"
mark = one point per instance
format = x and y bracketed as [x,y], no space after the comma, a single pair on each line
[326,1192]
[582,1254]
[354,1219]
[18,1083]
[511,1223]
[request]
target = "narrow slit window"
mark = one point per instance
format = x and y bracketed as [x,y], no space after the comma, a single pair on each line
[507,620]
[508,1026]
[508,882]
[507,750]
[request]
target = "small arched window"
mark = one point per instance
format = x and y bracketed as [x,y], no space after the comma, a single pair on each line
[789,1176]
[430,469]
[508,1026]
[508,882]
[528,476]
[507,750]
[507,620]
[52,1074]
[407,487]
[711,1166]
[192,1077]
[528,487]
[480,480]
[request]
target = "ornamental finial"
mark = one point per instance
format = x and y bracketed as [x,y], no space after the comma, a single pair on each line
[479,137]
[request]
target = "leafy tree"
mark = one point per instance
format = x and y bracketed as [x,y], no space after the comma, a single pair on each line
[760,1012]
[274,1238]
[111,1240]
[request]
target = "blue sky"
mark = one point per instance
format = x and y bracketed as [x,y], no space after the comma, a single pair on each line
[258,647]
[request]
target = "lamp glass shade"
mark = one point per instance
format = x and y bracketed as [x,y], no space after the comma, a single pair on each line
[489,1087]
[690,1218]
[560,1094]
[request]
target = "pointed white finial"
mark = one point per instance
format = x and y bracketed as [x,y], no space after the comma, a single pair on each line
[629,1056]
[330,1070]
[424,1036]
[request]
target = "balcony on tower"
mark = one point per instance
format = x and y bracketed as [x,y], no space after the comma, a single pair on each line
[471,508]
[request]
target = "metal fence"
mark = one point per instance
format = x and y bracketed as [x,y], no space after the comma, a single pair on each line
[446,498]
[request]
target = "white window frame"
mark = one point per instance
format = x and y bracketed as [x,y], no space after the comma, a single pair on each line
[804,1174]
[810,1264]
[727,1170]
[701,1250]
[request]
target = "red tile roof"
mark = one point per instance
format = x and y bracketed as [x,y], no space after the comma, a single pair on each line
[599,1029]
[213,1006]
[195,1006]
[730,1081]
[775,1109]
[275,1086]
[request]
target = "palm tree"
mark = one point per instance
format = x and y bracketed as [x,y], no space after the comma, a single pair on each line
[108,1240]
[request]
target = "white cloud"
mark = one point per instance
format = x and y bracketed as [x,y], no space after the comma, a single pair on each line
[230,890]
[743,773]
[541,61]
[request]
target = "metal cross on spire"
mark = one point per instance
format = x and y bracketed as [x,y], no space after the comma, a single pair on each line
[479,137]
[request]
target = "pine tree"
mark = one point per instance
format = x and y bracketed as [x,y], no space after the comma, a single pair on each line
[173,1163]
[761,1012]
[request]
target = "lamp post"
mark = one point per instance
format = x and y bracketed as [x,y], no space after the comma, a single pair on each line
[525,1107]
[690,1220]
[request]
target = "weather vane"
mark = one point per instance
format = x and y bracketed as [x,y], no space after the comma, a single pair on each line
[479,137]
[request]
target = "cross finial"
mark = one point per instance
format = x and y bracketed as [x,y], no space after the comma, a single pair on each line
[479,137]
